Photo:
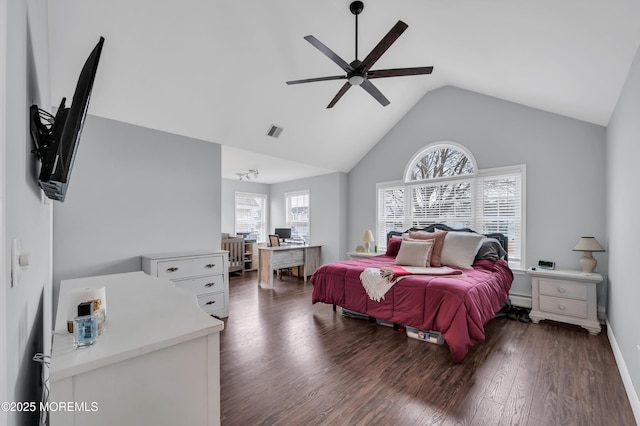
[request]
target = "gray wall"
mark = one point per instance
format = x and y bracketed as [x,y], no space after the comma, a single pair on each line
[25,217]
[135,191]
[565,161]
[327,200]
[229,189]
[623,204]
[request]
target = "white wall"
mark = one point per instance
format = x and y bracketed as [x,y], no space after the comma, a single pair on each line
[623,205]
[135,191]
[327,202]
[229,189]
[25,217]
[565,161]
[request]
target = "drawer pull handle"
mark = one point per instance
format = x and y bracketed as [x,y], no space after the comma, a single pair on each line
[562,307]
[172,269]
[209,284]
[210,302]
[561,290]
[210,265]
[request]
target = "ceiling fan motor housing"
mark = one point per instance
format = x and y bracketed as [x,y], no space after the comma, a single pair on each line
[356,7]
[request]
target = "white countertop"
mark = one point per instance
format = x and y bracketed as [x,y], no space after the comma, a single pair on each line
[145,314]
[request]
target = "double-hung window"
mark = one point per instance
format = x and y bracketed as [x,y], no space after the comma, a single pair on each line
[251,215]
[443,185]
[298,214]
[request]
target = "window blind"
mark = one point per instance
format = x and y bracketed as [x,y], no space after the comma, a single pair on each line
[251,214]
[298,214]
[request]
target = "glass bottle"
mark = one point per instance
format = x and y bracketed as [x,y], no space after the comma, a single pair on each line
[85,326]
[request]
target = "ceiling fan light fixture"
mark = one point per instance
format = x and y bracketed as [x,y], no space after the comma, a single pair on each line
[356,80]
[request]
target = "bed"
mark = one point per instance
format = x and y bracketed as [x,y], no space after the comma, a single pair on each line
[457,306]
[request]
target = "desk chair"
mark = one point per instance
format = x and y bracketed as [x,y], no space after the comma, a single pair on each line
[274,241]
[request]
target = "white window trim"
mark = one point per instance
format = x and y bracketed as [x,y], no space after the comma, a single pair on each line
[287,197]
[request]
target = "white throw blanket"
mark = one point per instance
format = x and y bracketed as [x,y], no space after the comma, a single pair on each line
[378,281]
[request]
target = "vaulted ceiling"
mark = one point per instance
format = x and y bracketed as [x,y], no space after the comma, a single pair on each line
[215,70]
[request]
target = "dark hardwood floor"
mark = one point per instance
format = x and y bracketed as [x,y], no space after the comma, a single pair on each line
[285,361]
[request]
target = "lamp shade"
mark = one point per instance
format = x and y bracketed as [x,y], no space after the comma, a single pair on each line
[588,244]
[367,236]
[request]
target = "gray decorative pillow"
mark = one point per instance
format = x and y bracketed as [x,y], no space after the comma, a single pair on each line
[490,249]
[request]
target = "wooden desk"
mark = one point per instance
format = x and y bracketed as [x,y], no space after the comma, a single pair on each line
[274,258]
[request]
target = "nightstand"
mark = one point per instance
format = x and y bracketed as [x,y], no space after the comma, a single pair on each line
[361,254]
[565,296]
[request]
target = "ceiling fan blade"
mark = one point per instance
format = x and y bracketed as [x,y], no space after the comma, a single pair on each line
[383,45]
[311,80]
[340,93]
[399,72]
[373,91]
[329,53]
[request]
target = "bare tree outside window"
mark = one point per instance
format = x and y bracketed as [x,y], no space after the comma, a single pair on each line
[442,162]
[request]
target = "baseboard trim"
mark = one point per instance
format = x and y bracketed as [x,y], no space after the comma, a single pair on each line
[624,373]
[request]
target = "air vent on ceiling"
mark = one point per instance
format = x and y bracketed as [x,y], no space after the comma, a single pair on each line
[274,131]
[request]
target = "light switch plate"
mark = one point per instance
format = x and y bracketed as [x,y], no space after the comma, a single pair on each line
[15,263]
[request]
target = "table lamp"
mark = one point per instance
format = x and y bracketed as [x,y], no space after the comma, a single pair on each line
[367,237]
[588,245]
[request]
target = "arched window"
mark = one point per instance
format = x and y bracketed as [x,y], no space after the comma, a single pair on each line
[440,160]
[442,184]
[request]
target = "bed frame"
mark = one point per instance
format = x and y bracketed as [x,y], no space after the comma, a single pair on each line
[235,247]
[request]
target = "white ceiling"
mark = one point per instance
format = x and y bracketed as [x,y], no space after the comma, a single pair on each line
[216,70]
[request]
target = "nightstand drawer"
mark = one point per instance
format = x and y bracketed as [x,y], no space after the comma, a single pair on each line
[564,289]
[203,285]
[561,306]
[181,268]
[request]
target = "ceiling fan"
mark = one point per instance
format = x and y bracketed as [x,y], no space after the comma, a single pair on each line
[359,72]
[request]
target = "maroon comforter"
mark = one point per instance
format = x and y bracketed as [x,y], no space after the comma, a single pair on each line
[458,307]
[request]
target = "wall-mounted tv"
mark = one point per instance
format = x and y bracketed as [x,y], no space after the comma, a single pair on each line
[56,138]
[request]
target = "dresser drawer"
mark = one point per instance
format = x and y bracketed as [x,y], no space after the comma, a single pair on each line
[561,306]
[203,285]
[212,303]
[563,289]
[176,269]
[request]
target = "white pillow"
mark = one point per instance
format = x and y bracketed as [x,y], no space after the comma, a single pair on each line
[460,248]
[413,253]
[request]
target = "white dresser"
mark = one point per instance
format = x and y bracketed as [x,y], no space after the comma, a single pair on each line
[157,362]
[206,274]
[565,296]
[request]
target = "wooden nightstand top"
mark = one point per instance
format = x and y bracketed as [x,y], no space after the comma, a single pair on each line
[566,274]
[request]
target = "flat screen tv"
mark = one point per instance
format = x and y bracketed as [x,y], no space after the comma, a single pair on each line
[56,138]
